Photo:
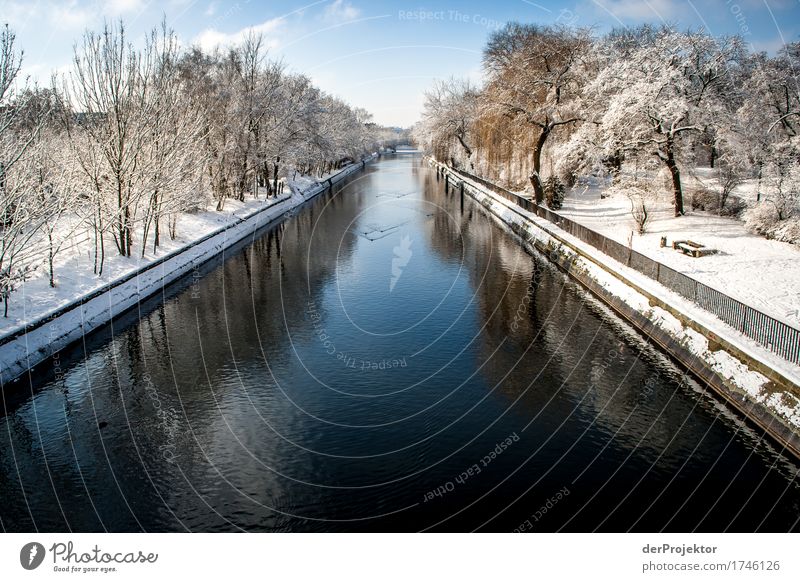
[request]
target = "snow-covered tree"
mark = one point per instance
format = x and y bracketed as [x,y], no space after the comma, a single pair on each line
[170,164]
[673,86]
[535,77]
[449,116]
[769,139]
[49,178]
[21,213]
[111,90]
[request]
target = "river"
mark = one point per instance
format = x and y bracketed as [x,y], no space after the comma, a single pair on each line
[386,359]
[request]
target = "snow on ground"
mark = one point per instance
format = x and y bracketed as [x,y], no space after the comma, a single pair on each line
[74,268]
[764,274]
[303,184]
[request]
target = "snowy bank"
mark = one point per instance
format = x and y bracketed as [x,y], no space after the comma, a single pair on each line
[49,325]
[759,384]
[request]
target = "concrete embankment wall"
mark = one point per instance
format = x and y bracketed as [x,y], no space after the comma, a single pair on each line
[22,349]
[574,262]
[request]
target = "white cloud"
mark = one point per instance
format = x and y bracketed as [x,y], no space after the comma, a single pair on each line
[211,9]
[57,16]
[211,38]
[120,7]
[341,11]
[16,13]
[70,16]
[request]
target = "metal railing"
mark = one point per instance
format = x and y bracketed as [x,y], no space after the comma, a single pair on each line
[775,335]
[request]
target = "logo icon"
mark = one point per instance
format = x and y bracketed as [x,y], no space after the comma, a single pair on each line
[402,254]
[31,555]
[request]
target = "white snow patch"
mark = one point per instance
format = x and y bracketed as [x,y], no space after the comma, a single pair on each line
[764,274]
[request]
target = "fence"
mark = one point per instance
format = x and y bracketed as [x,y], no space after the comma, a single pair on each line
[775,335]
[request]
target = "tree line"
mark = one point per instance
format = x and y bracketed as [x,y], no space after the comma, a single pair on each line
[130,138]
[560,102]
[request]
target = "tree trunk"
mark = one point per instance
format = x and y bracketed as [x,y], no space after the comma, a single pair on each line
[128,233]
[156,232]
[275,175]
[221,193]
[676,177]
[148,219]
[614,163]
[120,218]
[121,238]
[98,241]
[102,254]
[50,257]
[535,178]
[96,249]
[758,185]
[468,151]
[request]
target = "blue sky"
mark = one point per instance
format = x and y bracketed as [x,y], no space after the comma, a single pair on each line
[380,55]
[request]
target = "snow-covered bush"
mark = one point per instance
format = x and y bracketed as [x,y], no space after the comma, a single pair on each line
[781,182]
[711,200]
[641,195]
[640,210]
[734,206]
[705,199]
[574,158]
[778,211]
[787,230]
[568,169]
[10,279]
[763,219]
[554,192]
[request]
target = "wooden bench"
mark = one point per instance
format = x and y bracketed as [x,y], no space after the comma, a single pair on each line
[692,248]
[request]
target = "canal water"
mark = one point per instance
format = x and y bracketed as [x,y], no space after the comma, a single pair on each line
[386,359]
